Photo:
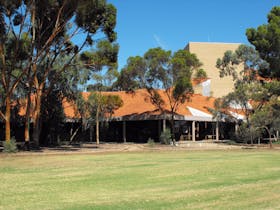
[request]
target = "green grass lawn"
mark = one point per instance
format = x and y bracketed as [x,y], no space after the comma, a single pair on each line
[144,180]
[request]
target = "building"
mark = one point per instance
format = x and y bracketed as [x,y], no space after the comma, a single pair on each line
[208,53]
[138,119]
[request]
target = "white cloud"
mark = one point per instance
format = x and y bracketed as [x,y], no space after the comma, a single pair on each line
[159,41]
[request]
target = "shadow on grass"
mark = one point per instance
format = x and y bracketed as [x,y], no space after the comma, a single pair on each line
[71,148]
[22,147]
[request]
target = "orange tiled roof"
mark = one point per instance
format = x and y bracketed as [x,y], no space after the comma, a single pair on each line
[138,103]
[197,81]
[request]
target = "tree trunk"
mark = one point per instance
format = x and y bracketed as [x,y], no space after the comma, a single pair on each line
[27,124]
[250,129]
[36,134]
[97,124]
[90,132]
[73,135]
[172,129]
[8,119]
[269,136]
[270,141]
[37,111]
[217,131]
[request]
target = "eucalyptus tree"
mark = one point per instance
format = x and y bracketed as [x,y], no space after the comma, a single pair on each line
[267,116]
[55,29]
[14,57]
[161,70]
[266,39]
[101,65]
[244,64]
[268,119]
[102,107]
[249,87]
[262,59]
[98,106]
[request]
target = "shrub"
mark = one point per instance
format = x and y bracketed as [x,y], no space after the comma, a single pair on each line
[276,142]
[10,146]
[165,136]
[151,142]
[245,134]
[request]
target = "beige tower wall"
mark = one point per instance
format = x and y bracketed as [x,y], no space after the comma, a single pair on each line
[208,53]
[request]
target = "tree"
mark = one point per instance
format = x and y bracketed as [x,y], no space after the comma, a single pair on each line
[249,87]
[262,119]
[91,18]
[243,65]
[266,39]
[268,116]
[53,118]
[101,64]
[13,53]
[102,106]
[239,101]
[159,69]
[131,77]
[248,58]
[51,27]
[98,106]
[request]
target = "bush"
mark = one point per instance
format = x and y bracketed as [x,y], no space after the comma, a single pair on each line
[276,142]
[10,146]
[165,136]
[244,134]
[151,142]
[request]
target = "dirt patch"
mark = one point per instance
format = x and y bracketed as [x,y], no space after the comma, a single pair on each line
[133,147]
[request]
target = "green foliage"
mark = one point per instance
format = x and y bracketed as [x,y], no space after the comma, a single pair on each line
[132,76]
[94,15]
[183,63]
[99,102]
[200,74]
[246,134]
[53,116]
[112,103]
[165,136]
[10,146]
[182,90]
[266,39]
[238,99]
[100,65]
[273,88]
[105,54]
[151,142]
[38,54]
[156,61]
[158,70]
[259,115]
[246,56]
[268,116]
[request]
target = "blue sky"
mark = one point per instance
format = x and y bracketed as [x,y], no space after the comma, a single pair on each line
[144,24]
